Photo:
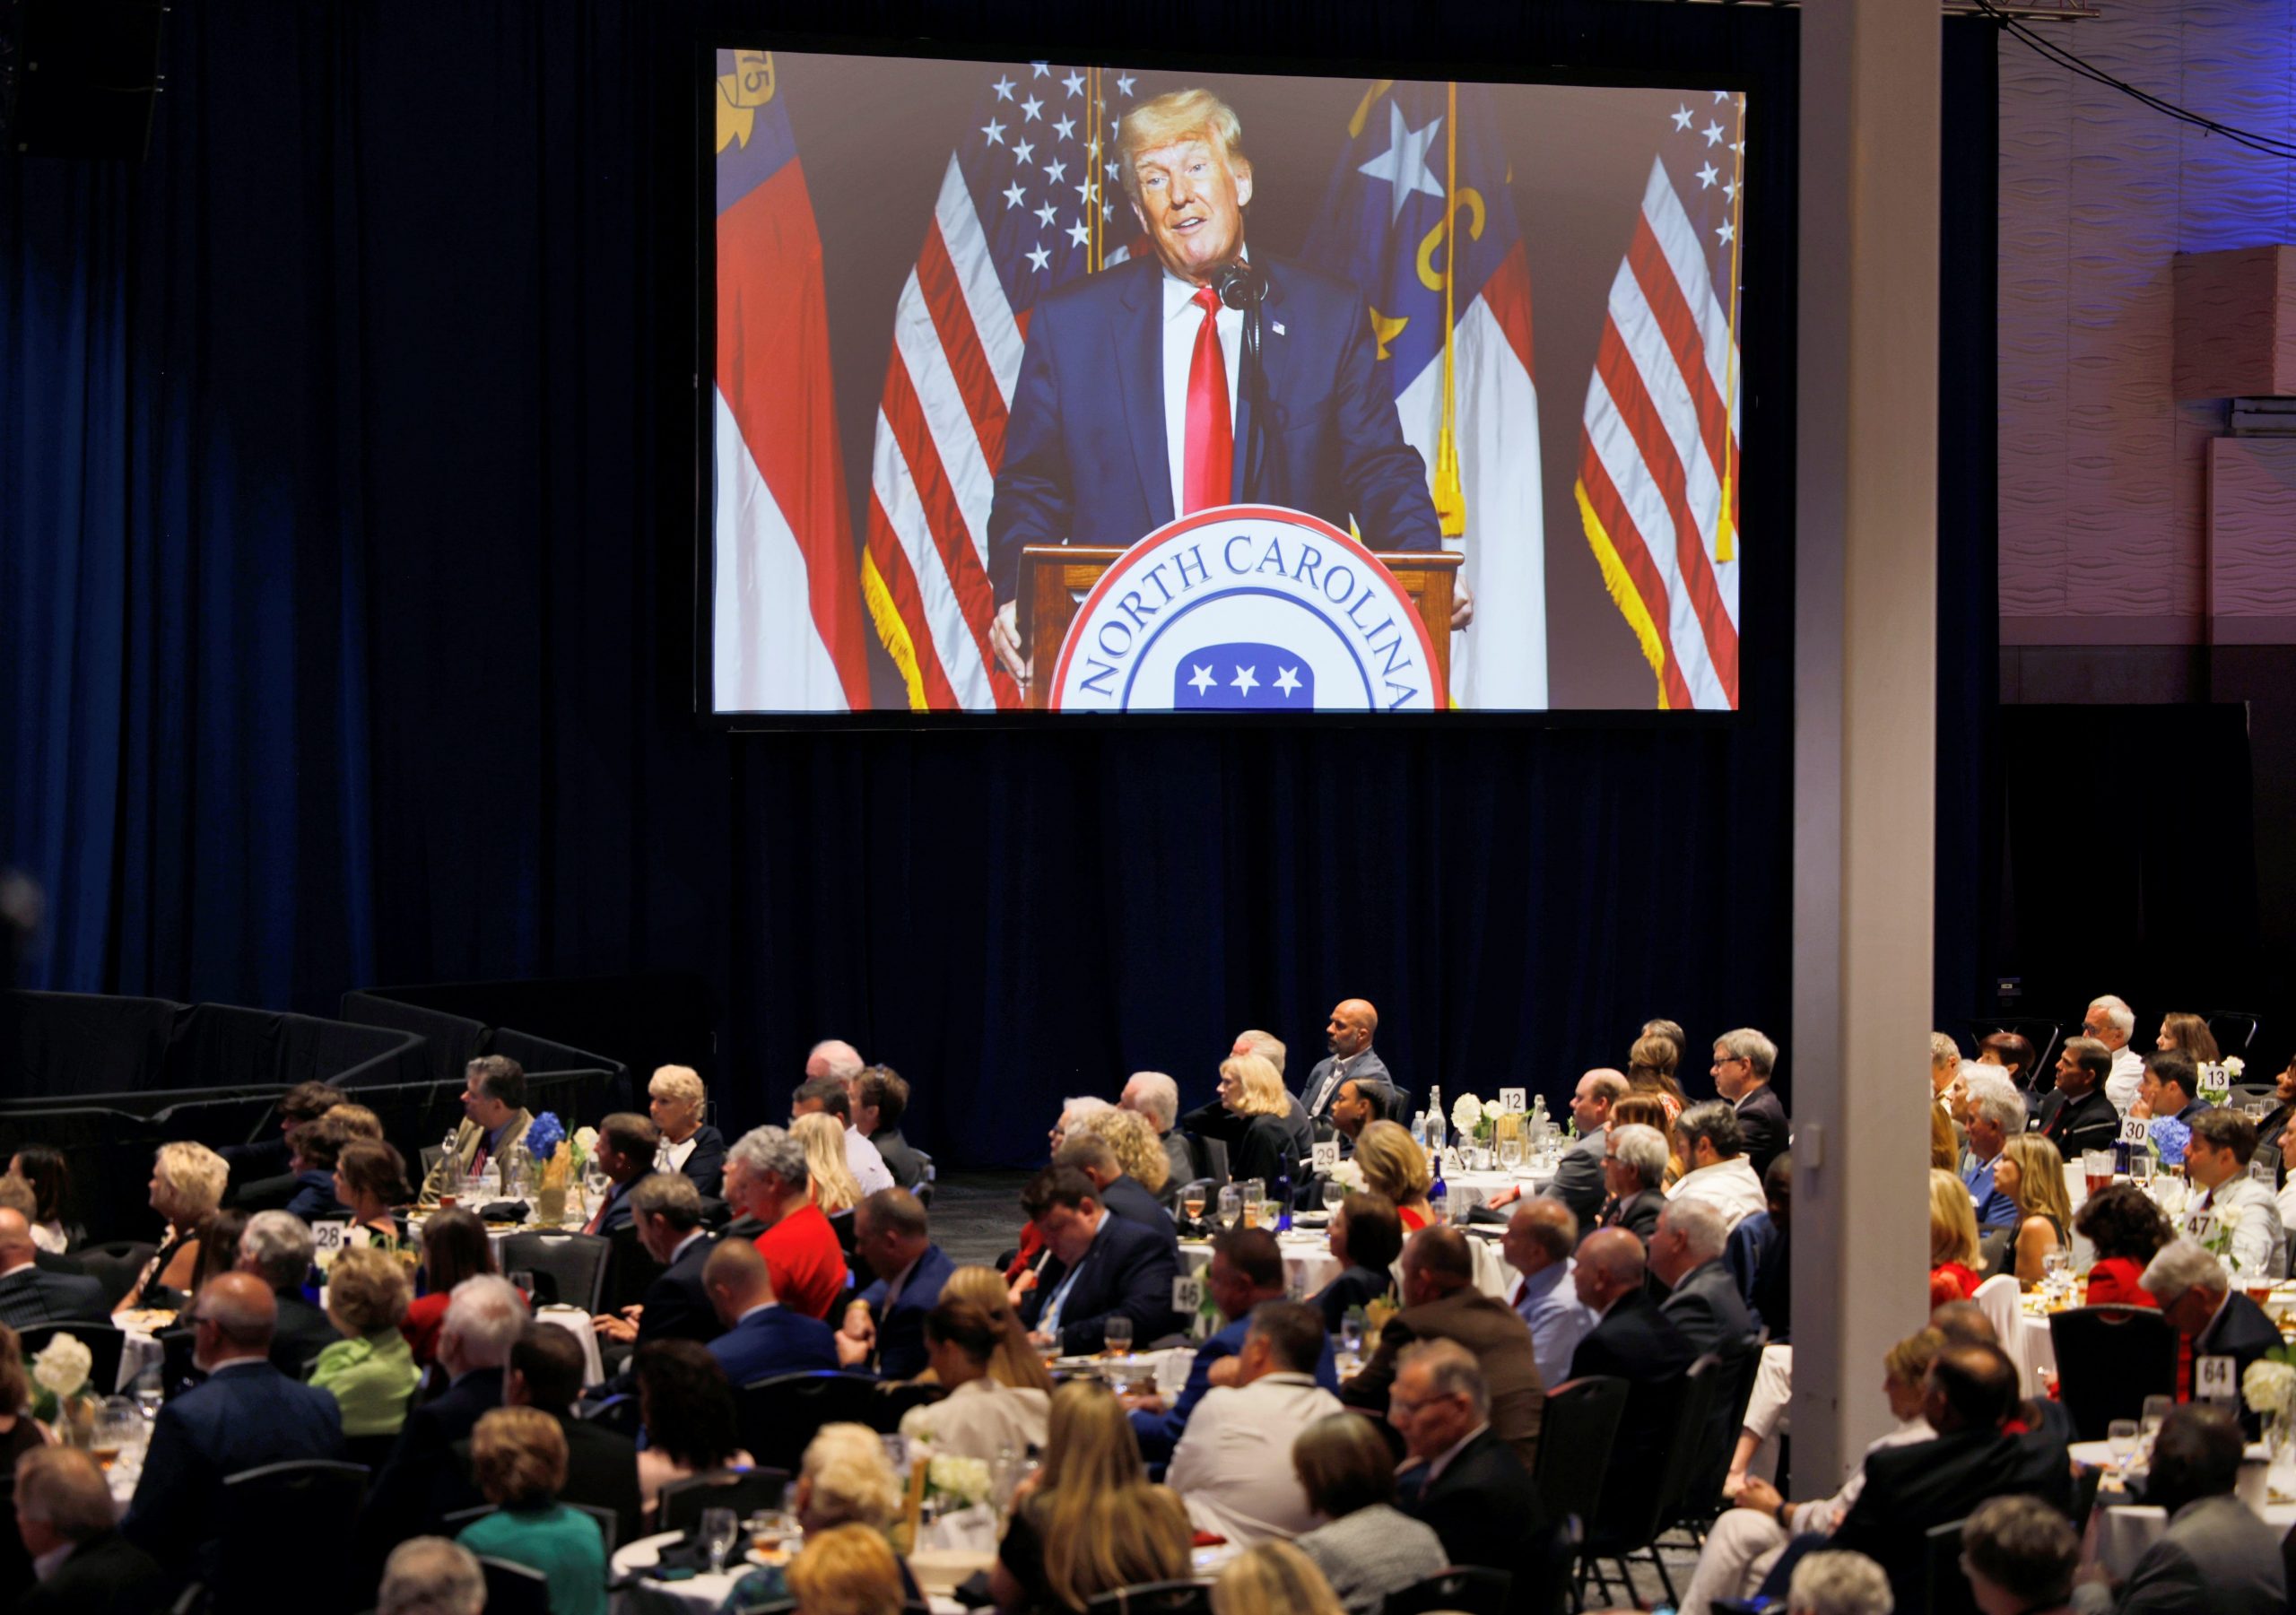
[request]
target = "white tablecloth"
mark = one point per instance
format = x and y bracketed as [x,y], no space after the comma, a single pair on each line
[1480,1186]
[2120,1533]
[700,1593]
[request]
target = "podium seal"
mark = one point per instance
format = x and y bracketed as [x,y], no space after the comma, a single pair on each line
[1247,608]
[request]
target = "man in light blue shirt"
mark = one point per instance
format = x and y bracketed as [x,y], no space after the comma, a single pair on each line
[1996,1110]
[1538,1242]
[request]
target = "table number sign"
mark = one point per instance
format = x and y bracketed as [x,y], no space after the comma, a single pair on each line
[2135,1130]
[1511,1100]
[2215,1082]
[1324,1158]
[2200,1227]
[1188,1294]
[2214,1379]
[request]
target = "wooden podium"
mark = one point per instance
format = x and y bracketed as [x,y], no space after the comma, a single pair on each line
[1055,578]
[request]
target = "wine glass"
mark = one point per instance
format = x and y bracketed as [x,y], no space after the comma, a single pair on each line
[151,1392]
[1351,1331]
[1232,1206]
[1510,1153]
[1117,1335]
[2121,1435]
[2156,1408]
[1192,1203]
[1335,1196]
[719,1526]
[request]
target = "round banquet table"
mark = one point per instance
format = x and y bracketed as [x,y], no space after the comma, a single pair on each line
[698,1594]
[1308,1264]
[2120,1533]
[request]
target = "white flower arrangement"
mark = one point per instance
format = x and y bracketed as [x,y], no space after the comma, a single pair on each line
[961,1481]
[2234,1065]
[1349,1173]
[1466,1114]
[61,1367]
[2269,1387]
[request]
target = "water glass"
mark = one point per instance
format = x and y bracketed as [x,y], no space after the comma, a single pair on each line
[1232,1206]
[1335,1196]
[1350,1333]
[1511,1154]
[2156,1408]
[719,1527]
[1117,1335]
[2121,1435]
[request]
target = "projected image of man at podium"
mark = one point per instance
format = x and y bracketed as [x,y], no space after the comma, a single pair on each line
[1095,455]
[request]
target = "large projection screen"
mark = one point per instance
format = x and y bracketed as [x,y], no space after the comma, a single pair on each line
[959,315]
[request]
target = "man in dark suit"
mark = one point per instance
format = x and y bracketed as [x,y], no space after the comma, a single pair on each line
[879,1096]
[246,1414]
[1743,1062]
[1093,456]
[1353,1024]
[277,1247]
[762,1337]
[2216,1555]
[2077,1116]
[1120,1191]
[63,1506]
[2197,1299]
[885,1327]
[665,1209]
[1462,1479]
[1702,1299]
[676,1102]
[627,1144]
[1634,1169]
[1637,1343]
[1101,1266]
[31,1295]
[1972,1392]
[1442,1302]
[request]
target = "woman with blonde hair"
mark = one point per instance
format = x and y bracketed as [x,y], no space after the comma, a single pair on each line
[2031,1173]
[371,1371]
[1091,1521]
[1275,1578]
[833,1187]
[1952,1240]
[187,1183]
[1139,1149]
[846,1571]
[844,1482]
[1014,1364]
[1395,1169]
[1254,1117]
[1650,1110]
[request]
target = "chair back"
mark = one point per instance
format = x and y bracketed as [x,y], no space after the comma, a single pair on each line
[1211,1157]
[574,1264]
[282,1526]
[631,1269]
[2235,1030]
[104,1341]
[924,1189]
[513,1589]
[116,1264]
[780,1416]
[1468,1589]
[1643,1487]
[746,1491]
[2108,1361]
[895,1401]
[1948,1588]
[1575,1431]
[1155,1598]
[1733,1389]
[619,1413]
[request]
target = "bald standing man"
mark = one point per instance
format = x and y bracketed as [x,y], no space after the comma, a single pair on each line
[1353,1023]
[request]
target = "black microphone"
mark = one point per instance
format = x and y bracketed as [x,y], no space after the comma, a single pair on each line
[1239,285]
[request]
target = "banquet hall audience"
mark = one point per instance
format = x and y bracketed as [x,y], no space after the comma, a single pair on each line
[1634,1340]
[979,1416]
[1366,1548]
[277,1247]
[2215,1555]
[1396,1169]
[2032,1174]
[1440,1302]
[666,1211]
[1635,1159]
[187,1183]
[844,1481]
[2188,1034]
[49,1172]
[1090,1150]
[1463,1478]
[1101,1266]
[1092,1521]
[1139,1152]
[762,1338]
[1716,1171]
[1971,1397]
[830,1096]
[686,1409]
[69,1525]
[219,1247]
[29,1295]
[829,1175]
[628,1146]
[1537,1245]
[2111,1022]
[1742,1062]
[2127,1230]
[1255,1117]
[1747,1539]
[1347,1037]
[1221,1467]
[546,1371]
[368,1371]
[1838,1584]
[244,1415]
[1952,1240]
[2200,1302]
[884,1326]
[766,1178]
[1360,1102]
[1365,1238]
[2078,1115]
[1996,1113]
[678,1104]
[454,1247]
[1274,1579]
[519,1459]
[2020,1556]
[1702,1299]
[879,1100]
[1014,1362]
[430,1575]
[312,1151]
[494,1113]
[1155,1096]
[370,1183]
[2222,1143]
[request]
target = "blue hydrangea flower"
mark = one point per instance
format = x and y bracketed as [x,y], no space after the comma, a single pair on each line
[544,1133]
[2170,1137]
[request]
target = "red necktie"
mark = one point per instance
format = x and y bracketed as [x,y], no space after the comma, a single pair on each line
[1210,440]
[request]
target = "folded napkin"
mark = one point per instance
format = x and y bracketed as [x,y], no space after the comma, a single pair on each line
[503,1211]
[686,1556]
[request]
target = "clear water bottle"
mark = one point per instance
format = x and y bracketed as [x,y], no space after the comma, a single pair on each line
[444,1174]
[1419,1130]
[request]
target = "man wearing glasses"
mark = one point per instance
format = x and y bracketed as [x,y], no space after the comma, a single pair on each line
[2111,1022]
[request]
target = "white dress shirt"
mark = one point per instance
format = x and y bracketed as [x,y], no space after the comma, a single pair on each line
[1183,318]
[2258,1246]
[1729,1187]
[672,1158]
[980,1417]
[863,1161]
[2127,1076]
[1232,1466]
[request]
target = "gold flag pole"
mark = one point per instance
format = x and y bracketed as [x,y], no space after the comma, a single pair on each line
[1450,500]
[1725,531]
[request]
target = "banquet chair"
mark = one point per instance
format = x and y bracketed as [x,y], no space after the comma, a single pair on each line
[620,1413]
[2108,1361]
[575,1264]
[116,1264]
[282,1526]
[2046,1035]
[895,1401]
[1155,1598]
[16,1576]
[2235,1030]
[781,1415]
[104,1341]
[609,1528]
[1628,1519]
[513,1589]
[1948,1588]
[924,1189]
[746,1491]
[1469,1589]
[1733,1388]
[1576,1430]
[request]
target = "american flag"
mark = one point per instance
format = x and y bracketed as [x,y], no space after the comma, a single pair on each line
[1657,486]
[1030,199]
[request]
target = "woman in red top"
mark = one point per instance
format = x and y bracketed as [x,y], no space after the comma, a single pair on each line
[454,1248]
[2128,1231]
[1952,1240]
[1396,1167]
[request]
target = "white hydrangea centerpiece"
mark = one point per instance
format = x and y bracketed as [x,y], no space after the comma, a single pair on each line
[1466,1114]
[61,1366]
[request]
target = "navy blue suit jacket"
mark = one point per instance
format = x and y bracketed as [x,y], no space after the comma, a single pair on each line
[1085,461]
[241,1418]
[1129,1269]
[706,1166]
[418,1482]
[676,1306]
[779,1339]
[1160,1433]
[901,1331]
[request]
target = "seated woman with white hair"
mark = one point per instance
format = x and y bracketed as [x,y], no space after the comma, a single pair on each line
[187,1183]
[677,1101]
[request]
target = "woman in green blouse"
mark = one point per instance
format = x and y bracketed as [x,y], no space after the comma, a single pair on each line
[370,1372]
[518,1456]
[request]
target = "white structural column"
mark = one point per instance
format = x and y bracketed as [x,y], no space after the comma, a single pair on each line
[1866,582]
